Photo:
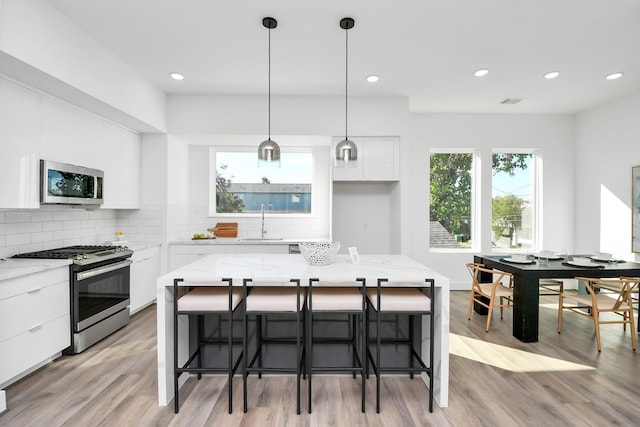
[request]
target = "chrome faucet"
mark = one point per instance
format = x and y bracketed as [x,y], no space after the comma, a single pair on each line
[263,229]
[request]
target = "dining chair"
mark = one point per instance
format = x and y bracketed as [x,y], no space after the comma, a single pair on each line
[551,287]
[199,301]
[604,296]
[490,295]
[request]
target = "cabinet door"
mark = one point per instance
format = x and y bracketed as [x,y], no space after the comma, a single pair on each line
[180,255]
[380,160]
[121,165]
[144,272]
[258,249]
[57,127]
[88,139]
[20,144]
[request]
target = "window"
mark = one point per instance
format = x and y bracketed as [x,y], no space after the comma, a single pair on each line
[243,188]
[451,199]
[513,201]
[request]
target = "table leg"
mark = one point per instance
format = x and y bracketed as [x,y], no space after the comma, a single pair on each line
[526,307]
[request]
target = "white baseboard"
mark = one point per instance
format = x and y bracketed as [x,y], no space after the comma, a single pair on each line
[3,401]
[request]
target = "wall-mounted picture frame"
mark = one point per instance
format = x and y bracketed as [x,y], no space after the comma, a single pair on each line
[635,209]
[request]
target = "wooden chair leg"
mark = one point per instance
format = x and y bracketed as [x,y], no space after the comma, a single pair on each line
[632,330]
[471,304]
[560,302]
[486,329]
[596,321]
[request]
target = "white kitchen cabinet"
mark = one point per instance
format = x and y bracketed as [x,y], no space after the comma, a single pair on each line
[35,319]
[20,145]
[145,269]
[57,131]
[87,139]
[378,160]
[120,161]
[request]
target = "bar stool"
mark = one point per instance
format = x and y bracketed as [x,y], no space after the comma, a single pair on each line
[404,301]
[200,301]
[347,300]
[267,300]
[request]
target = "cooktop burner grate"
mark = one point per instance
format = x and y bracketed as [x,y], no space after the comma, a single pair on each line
[66,252]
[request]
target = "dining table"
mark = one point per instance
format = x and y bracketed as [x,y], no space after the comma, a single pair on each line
[527,274]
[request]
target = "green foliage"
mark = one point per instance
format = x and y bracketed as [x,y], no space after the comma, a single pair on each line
[226,202]
[509,162]
[450,198]
[450,192]
[507,214]
[266,180]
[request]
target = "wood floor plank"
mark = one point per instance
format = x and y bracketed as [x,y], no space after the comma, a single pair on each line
[496,380]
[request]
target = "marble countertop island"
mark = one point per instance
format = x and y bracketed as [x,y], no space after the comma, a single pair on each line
[279,269]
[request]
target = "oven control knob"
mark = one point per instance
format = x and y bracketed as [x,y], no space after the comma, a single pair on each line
[84,256]
[78,257]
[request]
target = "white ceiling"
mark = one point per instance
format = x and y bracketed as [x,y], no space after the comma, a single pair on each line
[426,50]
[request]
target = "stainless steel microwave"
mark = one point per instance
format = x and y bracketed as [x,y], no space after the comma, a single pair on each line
[62,183]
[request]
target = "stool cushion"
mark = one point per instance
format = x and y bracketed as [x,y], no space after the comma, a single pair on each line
[210,298]
[336,299]
[399,299]
[274,299]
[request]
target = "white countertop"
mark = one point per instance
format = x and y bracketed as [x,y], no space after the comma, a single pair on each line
[16,267]
[279,269]
[242,241]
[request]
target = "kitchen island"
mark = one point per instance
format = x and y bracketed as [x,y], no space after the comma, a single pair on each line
[278,269]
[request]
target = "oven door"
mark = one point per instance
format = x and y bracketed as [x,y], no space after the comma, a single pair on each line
[99,293]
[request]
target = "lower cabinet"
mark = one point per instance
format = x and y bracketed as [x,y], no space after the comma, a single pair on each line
[145,269]
[35,319]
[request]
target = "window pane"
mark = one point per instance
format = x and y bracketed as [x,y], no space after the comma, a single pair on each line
[450,200]
[242,187]
[513,201]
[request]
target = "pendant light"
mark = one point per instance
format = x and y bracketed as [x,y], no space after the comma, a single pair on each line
[269,150]
[346,150]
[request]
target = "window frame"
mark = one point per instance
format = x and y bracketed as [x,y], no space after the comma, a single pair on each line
[536,187]
[212,205]
[475,211]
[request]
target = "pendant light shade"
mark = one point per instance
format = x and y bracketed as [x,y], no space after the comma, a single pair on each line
[269,150]
[346,150]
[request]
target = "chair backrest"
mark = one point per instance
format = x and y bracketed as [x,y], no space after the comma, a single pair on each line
[623,287]
[497,276]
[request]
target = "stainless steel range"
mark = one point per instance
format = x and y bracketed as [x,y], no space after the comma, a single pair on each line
[99,280]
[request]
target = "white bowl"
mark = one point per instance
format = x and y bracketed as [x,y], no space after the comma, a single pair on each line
[319,253]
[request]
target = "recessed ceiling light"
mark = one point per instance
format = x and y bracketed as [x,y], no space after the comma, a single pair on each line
[481,72]
[552,75]
[176,76]
[373,78]
[614,76]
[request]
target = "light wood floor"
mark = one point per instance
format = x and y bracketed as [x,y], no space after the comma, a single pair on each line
[495,381]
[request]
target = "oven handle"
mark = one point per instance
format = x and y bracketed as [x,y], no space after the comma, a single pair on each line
[102,270]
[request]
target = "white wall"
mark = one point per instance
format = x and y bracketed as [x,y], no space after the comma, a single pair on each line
[319,116]
[553,135]
[607,146]
[41,47]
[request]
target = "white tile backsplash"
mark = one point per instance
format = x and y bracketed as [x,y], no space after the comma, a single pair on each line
[57,226]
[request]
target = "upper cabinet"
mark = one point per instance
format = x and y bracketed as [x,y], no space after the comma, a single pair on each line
[120,152]
[36,126]
[378,160]
[20,143]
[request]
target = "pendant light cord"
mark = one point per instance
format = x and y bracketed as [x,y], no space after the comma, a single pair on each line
[346,85]
[269,91]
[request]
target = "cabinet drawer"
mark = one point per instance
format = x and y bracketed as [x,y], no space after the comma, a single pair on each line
[30,348]
[30,282]
[30,309]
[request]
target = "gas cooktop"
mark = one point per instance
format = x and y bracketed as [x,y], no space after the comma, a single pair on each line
[81,254]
